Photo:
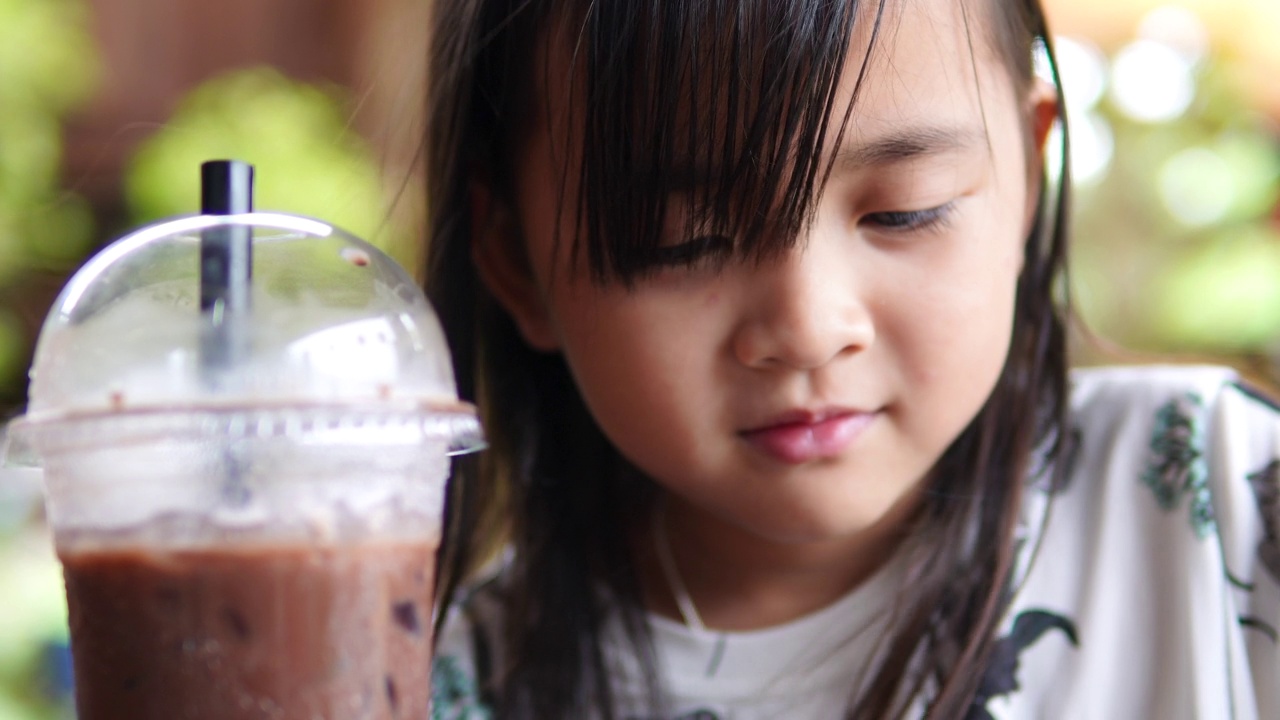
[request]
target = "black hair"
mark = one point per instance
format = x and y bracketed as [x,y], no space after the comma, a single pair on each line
[743,93]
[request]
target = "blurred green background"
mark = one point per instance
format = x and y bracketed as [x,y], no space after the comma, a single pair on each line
[107,107]
[1175,120]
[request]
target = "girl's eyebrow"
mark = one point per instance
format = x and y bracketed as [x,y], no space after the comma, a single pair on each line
[907,144]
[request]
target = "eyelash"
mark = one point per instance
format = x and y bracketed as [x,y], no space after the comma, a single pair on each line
[913,220]
[709,249]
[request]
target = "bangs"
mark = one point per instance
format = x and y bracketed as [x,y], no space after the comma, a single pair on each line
[704,119]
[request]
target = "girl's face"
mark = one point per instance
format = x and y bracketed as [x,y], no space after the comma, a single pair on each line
[804,398]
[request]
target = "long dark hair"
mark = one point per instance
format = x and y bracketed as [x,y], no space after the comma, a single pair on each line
[748,89]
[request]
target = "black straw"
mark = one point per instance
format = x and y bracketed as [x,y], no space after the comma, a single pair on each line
[226,254]
[226,272]
[226,261]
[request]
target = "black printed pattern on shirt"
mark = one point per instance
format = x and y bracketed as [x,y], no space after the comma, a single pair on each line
[1001,677]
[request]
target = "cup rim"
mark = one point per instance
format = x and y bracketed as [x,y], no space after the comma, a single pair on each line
[455,420]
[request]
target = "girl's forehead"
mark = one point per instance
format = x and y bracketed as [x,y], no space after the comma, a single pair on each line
[930,57]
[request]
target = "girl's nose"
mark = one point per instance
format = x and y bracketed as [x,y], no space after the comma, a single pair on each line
[808,310]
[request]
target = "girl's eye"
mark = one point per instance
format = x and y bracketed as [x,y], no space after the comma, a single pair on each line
[699,250]
[911,220]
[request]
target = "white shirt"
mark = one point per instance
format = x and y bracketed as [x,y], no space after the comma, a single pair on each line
[1148,585]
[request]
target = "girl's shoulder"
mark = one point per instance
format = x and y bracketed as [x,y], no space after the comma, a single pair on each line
[1191,436]
[1124,390]
[1181,430]
[1150,575]
[1194,442]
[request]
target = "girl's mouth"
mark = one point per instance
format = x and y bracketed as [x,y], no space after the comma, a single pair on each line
[806,437]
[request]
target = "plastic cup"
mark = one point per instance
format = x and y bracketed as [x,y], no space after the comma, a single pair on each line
[247,530]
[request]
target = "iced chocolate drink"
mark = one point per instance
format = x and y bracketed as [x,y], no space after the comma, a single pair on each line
[245,479]
[289,632]
[307,594]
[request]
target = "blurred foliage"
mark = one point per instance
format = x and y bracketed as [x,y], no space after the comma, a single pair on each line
[307,160]
[48,67]
[1176,248]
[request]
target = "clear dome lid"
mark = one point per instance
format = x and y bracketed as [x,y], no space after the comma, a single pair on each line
[326,320]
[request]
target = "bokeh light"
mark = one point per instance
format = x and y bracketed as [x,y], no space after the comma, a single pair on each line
[1092,147]
[1197,186]
[1178,28]
[1084,72]
[1083,69]
[1152,82]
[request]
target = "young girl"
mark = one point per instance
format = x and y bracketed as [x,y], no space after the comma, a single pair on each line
[760,301]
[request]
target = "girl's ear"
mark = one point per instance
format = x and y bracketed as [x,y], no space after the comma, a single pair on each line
[1042,113]
[498,254]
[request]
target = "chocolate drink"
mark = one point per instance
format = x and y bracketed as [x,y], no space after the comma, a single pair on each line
[246,422]
[340,632]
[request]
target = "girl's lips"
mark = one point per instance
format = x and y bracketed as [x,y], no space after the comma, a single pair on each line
[805,440]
